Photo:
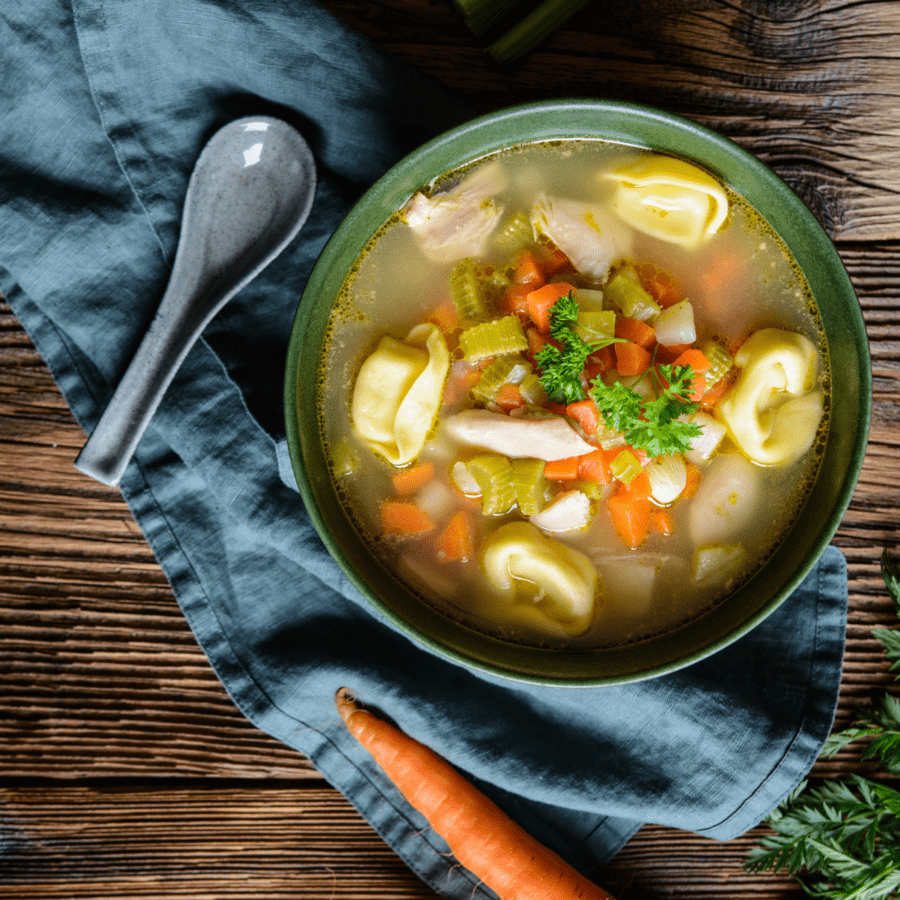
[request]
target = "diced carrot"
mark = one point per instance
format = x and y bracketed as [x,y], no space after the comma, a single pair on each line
[455,543]
[536,343]
[600,362]
[558,409]
[714,394]
[661,287]
[638,488]
[636,331]
[460,382]
[514,299]
[553,260]
[722,270]
[509,397]
[540,302]
[594,466]
[528,271]
[662,522]
[445,317]
[668,355]
[562,469]
[693,482]
[403,517]
[631,359]
[408,481]
[535,340]
[584,412]
[694,358]
[630,517]
[698,388]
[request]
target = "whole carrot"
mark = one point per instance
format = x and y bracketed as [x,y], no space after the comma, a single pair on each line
[482,837]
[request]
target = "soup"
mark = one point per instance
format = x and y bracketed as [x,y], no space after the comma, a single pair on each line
[574,393]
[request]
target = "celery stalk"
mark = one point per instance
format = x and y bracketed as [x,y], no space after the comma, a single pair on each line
[531,30]
[493,473]
[496,338]
[528,481]
[480,15]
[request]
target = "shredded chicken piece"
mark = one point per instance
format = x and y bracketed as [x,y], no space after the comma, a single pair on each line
[547,437]
[458,222]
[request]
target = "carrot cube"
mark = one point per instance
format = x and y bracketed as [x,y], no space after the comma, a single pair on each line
[539,303]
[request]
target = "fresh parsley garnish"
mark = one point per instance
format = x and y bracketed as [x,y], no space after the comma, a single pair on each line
[561,366]
[842,839]
[656,426]
[651,425]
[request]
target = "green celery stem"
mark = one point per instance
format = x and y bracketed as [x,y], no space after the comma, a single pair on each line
[480,15]
[540,23]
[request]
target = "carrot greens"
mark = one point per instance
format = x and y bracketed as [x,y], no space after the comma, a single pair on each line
[842,840]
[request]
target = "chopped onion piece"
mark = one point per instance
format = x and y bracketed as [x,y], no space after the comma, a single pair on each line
[668,478]
[705,444]
[676,325]
[570,511]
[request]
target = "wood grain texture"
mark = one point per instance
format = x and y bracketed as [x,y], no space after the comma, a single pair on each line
[125,769]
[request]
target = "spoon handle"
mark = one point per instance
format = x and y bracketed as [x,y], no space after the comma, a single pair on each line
[174,330]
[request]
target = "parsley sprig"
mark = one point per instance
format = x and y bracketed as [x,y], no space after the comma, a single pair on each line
[561,366]
[656,426]
[842,840]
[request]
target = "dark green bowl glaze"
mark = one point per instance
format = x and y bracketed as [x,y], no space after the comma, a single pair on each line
[817,521]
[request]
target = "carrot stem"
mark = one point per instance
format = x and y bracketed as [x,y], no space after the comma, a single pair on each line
[496,850]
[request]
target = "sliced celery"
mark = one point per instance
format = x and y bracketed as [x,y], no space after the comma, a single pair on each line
[529,483]
[499,371]
[513,231]
[497,338]
[625,467]
[466,290]
[493,473]
[625,292]
[589,299]
[532,390]
[594,326]
[593,490]
[721,362]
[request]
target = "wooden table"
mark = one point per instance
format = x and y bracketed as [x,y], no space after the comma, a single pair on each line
[125,770]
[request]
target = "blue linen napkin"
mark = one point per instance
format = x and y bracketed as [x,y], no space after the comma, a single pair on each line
[105,109]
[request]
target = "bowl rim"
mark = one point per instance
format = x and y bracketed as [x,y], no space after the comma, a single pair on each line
[614,121]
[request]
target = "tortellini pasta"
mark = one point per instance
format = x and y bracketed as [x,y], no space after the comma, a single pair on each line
[398,393]
[774,409]
[545,580]
[669,199]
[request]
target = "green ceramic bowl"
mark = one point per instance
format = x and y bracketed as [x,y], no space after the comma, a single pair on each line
[817,521]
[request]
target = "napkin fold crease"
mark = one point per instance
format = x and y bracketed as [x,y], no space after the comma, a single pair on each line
[106,108]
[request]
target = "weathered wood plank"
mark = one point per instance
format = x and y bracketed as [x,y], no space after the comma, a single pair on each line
[144,841]
[300,841]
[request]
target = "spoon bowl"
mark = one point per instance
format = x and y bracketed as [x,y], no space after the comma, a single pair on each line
[249,195]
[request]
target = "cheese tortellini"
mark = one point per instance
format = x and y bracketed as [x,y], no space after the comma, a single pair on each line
[398,393]
[546,581]
[774,409]
[669,199]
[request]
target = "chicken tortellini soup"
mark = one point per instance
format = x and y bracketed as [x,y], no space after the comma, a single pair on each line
[574,393]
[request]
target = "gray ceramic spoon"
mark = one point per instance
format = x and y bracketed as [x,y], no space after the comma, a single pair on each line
[248,196]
